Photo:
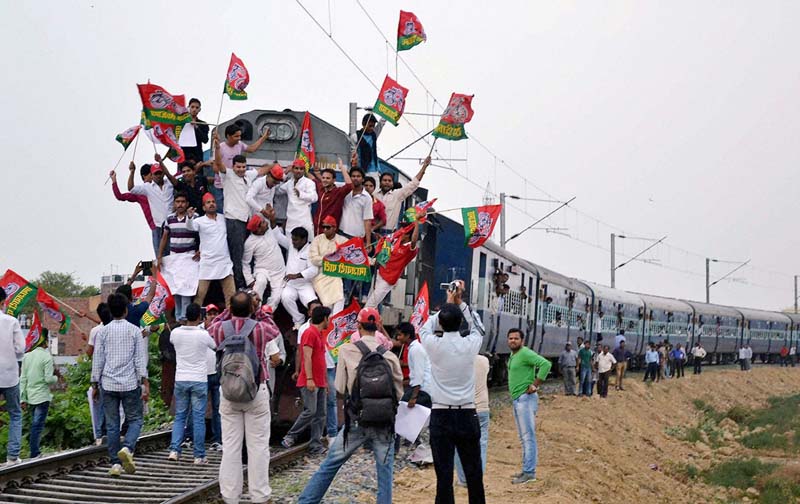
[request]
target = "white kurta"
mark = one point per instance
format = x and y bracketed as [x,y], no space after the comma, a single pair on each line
[298,210]
[215,261]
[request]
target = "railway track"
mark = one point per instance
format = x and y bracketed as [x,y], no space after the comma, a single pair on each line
[81,476]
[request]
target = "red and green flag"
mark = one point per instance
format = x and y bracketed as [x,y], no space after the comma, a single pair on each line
[236,79]
[387,244]
[419,315]
[349,260]
[159,106]
[305,147]
[53,309]
[409,31]
[34,336]
[18,292]
[161,303]
[127,136]
[479,223]
[340,327]
[391,100]
[167,135]
[458,112]
[419,212]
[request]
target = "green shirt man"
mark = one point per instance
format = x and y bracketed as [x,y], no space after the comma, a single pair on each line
[525,368]
[36,377]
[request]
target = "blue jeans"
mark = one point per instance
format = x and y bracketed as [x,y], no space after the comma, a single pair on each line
[237,232]
[11,395]
[586,381]
[525,408]
[483,419]
[216,420]
[99,415]
[380,441]
[39,413]
[157,232]
[181,303]
[192,394]
[333,412]
[131,402]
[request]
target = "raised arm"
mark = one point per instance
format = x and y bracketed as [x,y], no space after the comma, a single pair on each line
[344,170]
[421,172]
[131,170]
[170,176]
[148,298]
[217,165]
[254,147]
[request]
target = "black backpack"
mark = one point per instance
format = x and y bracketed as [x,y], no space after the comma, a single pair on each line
[373,400]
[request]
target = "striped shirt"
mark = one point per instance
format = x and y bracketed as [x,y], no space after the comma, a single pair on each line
[120,357]
[180,238]
[264,332]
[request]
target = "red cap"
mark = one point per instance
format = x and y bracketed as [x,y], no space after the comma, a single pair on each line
[329,220]
[367,315]
[266,308]
[253,223]
[277,172]
[156,167]
[210,307]
[208,196]
[299,162]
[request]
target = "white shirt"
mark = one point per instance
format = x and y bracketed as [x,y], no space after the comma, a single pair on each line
[211,361]
[748,353]
[267,254]
[605,361]
[259,195]
[451,357]
[297,262]
[159,198]
[742,353]
[12,349]
[215,261]
[93,334]
[699,352]
[298,209]
[481,385]
[419,366]
[356,209]
[191,353]
[393,200]
[235,189]
[617,339]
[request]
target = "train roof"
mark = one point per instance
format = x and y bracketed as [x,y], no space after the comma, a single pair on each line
[794,317]
[548,275]
[753,314]
[717,310]
[616,295]
[492,246]
[665,303]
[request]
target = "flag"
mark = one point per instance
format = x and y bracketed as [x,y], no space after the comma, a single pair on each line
[419,212]
[161,303]
[340,326]
[386,244]
[458,112]
[236,79]
[160,106]
[479,223]
[127,136]
[419,315]
[52,308]
[167,135]
[34,336]
[391,100]
[409,31]
[349,260]
[305,147]
[18,292]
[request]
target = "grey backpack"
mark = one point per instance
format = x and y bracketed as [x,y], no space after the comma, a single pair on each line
[239,367]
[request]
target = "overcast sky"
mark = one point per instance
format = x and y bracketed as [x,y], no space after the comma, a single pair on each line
[663,118]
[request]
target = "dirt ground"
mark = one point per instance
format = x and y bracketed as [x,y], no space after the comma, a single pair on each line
[615,449]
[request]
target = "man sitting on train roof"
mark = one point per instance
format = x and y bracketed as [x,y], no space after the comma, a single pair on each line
[366,153]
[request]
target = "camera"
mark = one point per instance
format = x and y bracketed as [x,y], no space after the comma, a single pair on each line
[147,268]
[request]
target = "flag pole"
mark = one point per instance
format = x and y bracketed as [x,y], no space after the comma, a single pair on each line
[432,146]
[216,126]
[135,144]
[409,145]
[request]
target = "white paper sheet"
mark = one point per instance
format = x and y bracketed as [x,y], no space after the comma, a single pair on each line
[409,422]
[188,138]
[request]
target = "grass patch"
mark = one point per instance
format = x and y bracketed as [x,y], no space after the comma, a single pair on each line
[765,440]
[740,474]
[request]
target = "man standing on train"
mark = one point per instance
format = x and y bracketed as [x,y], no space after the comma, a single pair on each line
[392,197]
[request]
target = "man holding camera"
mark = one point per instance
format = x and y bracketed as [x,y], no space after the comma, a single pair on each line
[454,421]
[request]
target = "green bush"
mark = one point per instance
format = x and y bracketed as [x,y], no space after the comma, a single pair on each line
[737,473]
[765,440]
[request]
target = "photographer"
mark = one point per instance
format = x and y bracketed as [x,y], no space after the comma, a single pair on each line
[454,421]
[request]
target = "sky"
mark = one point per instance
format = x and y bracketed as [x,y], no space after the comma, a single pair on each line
[675,119]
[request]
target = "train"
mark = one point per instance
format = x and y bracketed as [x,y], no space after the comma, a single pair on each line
[510,291]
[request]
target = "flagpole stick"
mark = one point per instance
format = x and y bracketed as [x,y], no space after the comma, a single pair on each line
[77,312]
[116,165]
[409,145]
[432,212]
[216,126]
[135,144]
[432,146]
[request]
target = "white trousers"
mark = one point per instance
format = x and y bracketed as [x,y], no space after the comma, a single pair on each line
[289,296]
[276,283]
[336,307]
[378,292]
[248,422]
